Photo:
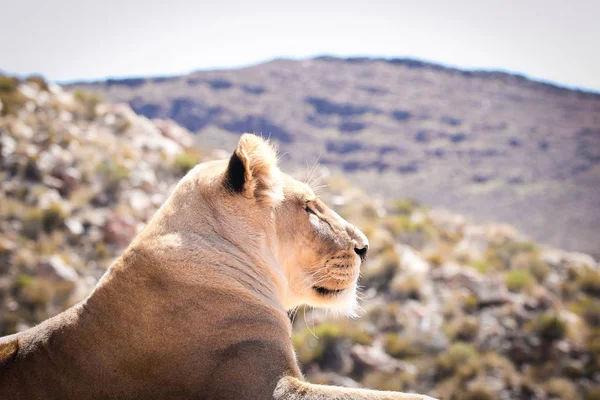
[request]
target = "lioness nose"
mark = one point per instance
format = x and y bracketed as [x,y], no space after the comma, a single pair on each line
[362,251]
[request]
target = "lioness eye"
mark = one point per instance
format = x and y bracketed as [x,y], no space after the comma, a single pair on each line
[308,209]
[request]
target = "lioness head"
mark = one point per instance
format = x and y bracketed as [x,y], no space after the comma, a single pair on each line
[318,252]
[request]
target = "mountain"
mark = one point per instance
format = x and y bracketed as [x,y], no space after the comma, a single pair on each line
[494,146]
[450,307]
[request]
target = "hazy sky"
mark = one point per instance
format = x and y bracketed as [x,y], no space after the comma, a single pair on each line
[85,39]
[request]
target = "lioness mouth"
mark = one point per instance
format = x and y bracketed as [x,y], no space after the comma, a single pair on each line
[327,292]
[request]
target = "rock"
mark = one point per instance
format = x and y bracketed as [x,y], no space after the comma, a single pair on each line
[336,357]
[412,263]
[69,179]
[474,243]
[175,132]
[7,144]
[452,224]
[139,200]
[143,177]
[119,230]
[374,358]
[31,171]
[74,226]
[48,198]
[56,268]
[219,154]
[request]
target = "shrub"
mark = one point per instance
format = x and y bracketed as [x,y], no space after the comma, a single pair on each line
[435,259]
[378,272]
[464,330]
[479,393]
[589,281]
[114,171]
[470,303]
[185,161]
[394,381]
[35,291]
[407,287]
[32,223]
[88,102]
[550,327]
[39,81]
[593,394]
[589,309]
[12,99]
[518,280]
[52,217]
[400,346]
[531,261]
[311,344]
[561,388]
[8,84]
[405,206]
[502,254]
[482,266]
[101,250]
[460,359]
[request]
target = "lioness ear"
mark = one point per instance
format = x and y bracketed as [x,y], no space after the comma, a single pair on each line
[253,172]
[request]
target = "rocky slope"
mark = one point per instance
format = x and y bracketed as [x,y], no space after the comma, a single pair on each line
[487,144]
[451,308]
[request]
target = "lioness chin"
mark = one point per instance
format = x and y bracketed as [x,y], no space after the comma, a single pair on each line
[196,305]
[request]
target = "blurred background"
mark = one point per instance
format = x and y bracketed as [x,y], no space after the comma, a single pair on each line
[462,137]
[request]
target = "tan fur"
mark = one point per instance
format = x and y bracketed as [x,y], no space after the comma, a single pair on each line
[196,305]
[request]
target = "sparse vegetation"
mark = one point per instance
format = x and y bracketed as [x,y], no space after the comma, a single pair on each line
[88,102]
[11,99]
[550,327]
[460,359]
[400,346]
[560,388]
[518,280]
[186,161]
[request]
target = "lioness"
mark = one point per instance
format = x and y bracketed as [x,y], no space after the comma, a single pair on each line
[196,305]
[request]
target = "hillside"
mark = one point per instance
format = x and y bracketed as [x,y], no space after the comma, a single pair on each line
[493,146]
[451,308]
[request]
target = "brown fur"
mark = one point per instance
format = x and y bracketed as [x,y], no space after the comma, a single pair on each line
[196,305]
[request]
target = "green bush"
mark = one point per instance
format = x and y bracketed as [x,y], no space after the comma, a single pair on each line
[589,309]
[400,346]
[185,161]
[12,99]
[460,359]
[463,329]
[52,217]
[404,206]
[532,262]
[550,327]
[482,266]
[589,281]
[101,250]
[470,303]
[310,343]
[518,280]
[501,255]
[8,84]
